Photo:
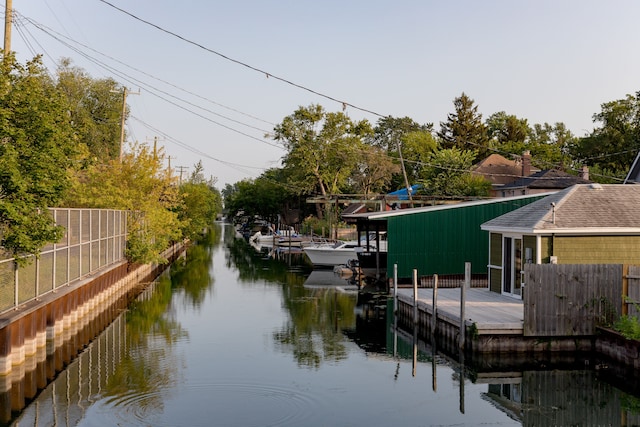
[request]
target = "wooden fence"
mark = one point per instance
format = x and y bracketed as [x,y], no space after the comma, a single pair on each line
[571,299]
[633,291]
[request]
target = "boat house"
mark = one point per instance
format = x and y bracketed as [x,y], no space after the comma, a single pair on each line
[438,239]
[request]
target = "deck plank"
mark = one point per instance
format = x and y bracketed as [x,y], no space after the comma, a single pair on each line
[490,311]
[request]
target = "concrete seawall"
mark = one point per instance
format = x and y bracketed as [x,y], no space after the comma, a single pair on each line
[36,329]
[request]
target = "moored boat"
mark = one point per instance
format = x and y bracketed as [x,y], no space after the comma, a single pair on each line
[330,254]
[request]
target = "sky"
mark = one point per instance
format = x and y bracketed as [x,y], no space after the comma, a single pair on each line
[209,80]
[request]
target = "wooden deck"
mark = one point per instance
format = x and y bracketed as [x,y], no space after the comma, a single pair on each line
[492,313]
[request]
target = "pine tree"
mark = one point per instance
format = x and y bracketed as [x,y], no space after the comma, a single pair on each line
[464,128]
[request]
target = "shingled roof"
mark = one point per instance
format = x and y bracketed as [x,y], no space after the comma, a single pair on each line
[547,180]
[582,208]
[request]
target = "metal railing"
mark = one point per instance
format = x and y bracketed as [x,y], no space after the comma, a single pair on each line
[93,238]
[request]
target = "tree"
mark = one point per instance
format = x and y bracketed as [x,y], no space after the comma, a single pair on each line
[322,148]
[95,109]
[551,146]
[141,185]
[447,175]
[200,204]
[503,128]
[264,197]
[374,172]
[417,147]
[37,148]
[403,135]
[614,145]
[464,129]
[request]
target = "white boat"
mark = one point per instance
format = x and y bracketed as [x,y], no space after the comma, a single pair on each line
[328,255]
[265,239]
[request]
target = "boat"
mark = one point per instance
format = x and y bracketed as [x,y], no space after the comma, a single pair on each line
[331,254]
[269,239]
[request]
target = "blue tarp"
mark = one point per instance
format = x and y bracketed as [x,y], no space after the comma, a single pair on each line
[402,193]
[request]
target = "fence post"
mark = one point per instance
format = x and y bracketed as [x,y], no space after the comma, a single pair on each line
[625,289]
[15,284]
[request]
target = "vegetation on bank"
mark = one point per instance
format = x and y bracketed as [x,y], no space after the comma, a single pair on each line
[59,147]
[329,153]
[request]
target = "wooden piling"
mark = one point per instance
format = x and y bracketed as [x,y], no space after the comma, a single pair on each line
[395,289]
[463,297]
[415,297]
[434,307]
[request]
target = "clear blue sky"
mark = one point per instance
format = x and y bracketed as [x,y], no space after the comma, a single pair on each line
[544,60]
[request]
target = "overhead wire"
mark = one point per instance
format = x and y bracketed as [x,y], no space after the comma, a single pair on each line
[154,90]
[48,30]
[344,104]
[58,36]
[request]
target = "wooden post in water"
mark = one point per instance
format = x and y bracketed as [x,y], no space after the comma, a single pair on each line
[395,289]
[434,309]
[463,297]
[462,381]
[415,298]
[395,310]
[415,352]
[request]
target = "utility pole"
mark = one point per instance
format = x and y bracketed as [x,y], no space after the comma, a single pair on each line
[8,11]
[181,169]
[404,173]
[125,92]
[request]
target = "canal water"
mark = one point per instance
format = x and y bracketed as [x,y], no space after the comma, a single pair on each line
[233,336]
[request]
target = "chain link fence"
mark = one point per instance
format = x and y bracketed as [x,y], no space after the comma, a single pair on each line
[93,238]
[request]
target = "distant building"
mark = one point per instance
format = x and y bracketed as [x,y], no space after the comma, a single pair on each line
[500,171]
[543,182]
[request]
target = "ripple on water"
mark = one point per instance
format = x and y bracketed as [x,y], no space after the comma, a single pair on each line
[228,404]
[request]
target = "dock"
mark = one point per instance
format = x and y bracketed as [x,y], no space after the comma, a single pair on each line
[494,323]
[490,312]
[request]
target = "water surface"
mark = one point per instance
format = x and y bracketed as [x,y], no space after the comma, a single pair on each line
[233,337]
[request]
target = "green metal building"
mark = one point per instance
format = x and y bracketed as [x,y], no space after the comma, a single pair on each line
[439,239]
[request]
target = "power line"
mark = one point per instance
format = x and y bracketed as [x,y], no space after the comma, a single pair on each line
[152,90]
[266,73]
[50,31]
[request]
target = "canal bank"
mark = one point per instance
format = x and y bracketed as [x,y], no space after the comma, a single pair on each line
[30,332]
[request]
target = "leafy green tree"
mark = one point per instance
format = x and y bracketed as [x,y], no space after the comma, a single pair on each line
[403,135]
[374,172]
[37,148]
[551,145]
[464,128]
[614,145]
[264,197]
[141,185]
[322,148]
[95,109]
[447,175]
[417,147]
[200,205]
[503,127]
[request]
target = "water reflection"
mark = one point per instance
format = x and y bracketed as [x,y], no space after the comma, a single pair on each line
[271,347]
[565,391]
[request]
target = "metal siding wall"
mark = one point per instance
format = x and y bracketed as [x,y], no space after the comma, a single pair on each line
[441,241]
